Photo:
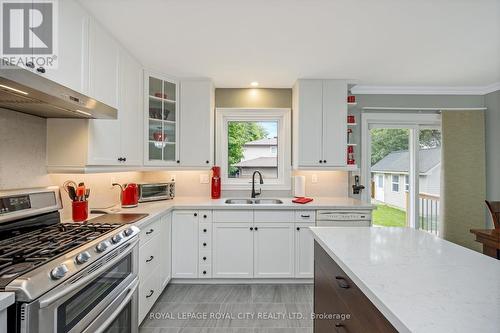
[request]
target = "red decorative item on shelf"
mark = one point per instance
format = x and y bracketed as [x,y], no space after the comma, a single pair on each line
[351,119]
[80,210]
[216,184]
[350,155]
[351,99]
[160,95]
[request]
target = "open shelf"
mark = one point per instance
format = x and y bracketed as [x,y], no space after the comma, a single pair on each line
[352,144]
[165,121]
[352,124]
[159,99]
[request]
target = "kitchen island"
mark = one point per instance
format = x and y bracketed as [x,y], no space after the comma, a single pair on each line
[403,279]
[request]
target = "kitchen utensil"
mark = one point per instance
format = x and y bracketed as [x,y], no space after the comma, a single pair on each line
[129,195]
[80,211]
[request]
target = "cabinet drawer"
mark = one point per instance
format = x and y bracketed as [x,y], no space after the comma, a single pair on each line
[274,216]
[305,216]
[149,291]
[334,289]
[205,216]
[149,257]
[205,258]
[205,231]
[149,231]
[205,271]
[233,216]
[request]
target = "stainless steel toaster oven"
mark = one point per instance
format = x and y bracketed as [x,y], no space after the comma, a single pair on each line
[156,191]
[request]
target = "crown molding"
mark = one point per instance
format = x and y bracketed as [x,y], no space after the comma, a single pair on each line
[424,90]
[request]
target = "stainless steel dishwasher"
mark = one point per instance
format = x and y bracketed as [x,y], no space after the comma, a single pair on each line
[343,218]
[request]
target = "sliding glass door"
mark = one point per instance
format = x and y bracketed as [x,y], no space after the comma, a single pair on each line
[402,164]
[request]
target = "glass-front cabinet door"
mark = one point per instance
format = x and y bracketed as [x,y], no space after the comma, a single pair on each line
[161,111]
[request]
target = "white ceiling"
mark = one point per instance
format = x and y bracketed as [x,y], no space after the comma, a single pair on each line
[383,42]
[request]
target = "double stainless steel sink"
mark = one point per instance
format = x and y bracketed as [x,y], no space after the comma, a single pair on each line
[254,202]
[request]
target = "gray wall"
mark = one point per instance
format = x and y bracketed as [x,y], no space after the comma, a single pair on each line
[253,98]
[492,102]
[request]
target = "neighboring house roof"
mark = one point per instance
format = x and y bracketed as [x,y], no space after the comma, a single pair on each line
[400,161]
[263,142]
[258,162]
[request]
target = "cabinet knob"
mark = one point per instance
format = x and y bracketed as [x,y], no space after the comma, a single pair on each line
[204,272]
[207,161]
[342,282]
[204,258]
[195,214]
[30,64]
[124,159]
[298,229]
[320,161]
[40,70]
[256,228]
[120,159]
[204,244]
[324,161]
[204,216]
[178,161]
[251,228]
[204,230]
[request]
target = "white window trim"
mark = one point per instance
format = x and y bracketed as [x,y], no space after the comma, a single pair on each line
[395,183]
[282,116]
[407,183]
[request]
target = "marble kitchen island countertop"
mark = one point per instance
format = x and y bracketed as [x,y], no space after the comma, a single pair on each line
[419,282]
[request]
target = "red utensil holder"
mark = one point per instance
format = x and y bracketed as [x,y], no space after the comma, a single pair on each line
[80,211]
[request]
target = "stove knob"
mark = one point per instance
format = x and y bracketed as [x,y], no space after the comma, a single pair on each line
[102,246]
[116,238]
[82,258]
[128,231]
[59,272]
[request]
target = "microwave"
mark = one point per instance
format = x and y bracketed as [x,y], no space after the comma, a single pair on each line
[156,191]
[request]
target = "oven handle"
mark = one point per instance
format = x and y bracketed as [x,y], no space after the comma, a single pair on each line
[44,302]
[130,293]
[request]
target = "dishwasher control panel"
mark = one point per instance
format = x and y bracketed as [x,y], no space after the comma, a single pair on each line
[343,218]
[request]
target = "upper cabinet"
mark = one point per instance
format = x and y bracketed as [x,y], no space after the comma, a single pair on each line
[161,120]
[320,124]
[197,123]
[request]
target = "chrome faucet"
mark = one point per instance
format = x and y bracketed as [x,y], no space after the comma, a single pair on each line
[254,194]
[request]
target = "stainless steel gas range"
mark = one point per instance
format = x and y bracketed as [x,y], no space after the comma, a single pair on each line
[67,277]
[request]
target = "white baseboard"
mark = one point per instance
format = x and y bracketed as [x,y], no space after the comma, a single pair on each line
[241,281]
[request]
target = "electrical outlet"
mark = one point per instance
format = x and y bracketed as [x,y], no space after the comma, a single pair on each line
[172,178]
[203,178]
[314,179]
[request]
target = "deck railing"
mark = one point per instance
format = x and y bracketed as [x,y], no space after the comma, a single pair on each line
[428,212]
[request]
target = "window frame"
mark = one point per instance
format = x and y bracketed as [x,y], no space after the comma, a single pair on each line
[395,183]
[283,117]
[407,183]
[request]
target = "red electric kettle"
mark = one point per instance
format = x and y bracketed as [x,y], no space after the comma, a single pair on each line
[129,195]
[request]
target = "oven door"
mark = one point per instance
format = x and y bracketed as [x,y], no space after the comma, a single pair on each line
[107,286]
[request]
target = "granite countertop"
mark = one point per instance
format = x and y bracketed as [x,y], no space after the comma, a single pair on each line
[421,283]
[6,299]
[157,208]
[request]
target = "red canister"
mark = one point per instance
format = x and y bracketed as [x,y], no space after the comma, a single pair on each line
[80,211]
[216,184]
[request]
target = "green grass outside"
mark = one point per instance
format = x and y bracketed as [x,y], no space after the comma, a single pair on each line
[389,217]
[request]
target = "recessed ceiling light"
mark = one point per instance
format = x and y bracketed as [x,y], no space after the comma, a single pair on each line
[254,84]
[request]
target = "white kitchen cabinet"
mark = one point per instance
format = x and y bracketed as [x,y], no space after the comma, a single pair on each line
[161,120]
[304,251]
[72,49]
[76,144]
[320,123]
[197,105]
[274,254]
[185,229]
[232,250]
[165,250]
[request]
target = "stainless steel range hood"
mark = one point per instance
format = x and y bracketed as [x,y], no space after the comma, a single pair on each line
[27,92]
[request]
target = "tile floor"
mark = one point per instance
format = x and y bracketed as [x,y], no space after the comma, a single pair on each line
[231,309]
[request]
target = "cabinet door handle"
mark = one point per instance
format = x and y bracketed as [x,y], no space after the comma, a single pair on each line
[150,231]
[151,292]
[342,282]
[40,70]
[298,228]
[305,216]
[150,259]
